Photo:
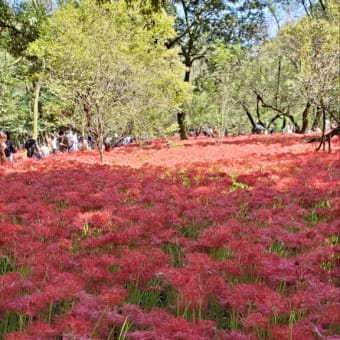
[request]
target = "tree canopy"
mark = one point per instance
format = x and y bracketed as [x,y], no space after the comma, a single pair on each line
[145,66]
[117,73]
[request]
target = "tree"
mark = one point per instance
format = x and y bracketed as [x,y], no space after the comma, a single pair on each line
[287,77]
[313,49]
[199,23]
[19,26]
[268,89]
[218,86]
[115,71]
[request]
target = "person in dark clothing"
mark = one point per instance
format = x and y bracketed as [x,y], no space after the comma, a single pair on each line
[259,129]
[10,150]
[32,147]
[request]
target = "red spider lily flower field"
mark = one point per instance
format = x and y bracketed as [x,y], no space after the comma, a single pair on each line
[197,239]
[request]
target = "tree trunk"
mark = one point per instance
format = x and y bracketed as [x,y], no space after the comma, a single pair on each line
[323,111]
[277,94]
[36,108]
[181,115]
[258,99]
[284,122]
[100,145]
[101,153]
[317,118]
[182,126]
[250,117]
[305,117]
[187,75]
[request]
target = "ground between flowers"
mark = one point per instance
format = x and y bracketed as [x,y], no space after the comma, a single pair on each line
[201,239]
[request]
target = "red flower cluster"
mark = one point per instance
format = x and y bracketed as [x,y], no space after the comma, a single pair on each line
[232,240]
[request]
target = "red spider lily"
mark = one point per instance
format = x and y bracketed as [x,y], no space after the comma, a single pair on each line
[97,267]
[92,315]
[112,296]
[256,320]
[298,330]
[258,296]
[277,269]
[237,335]
[214,237]
[63,287]
[166,326]
[76,327]
[196,283]
[329,315]
[216,230]
[20,336]
[41,330]
[141,266]
[109,239]
[9,232]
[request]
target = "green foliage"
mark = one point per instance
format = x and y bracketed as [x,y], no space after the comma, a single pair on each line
[119,75]
[235,184]
[107,68]
[221,253]
[153,294]
[175,253]
[199,24]
[19,24]
[313,48]
[124,329]
[14,98]
[5,265]
[12,322]
[278,247]
[288,78]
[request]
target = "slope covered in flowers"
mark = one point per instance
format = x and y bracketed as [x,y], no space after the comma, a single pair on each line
[181,240]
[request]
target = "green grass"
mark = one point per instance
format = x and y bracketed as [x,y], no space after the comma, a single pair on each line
[6,265]
[279,248]
[12,322]
[175,253]
[60,205]
[220,253]
[153,293]
[237,185]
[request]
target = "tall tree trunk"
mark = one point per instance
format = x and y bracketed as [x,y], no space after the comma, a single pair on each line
[258,99]
[100,134]
[317,118]
[277,94]
[181,115]
[87,112]
[305,117]
[250,117]
[323,110]
[36,108]
[182,126]
[187,74]
[101,152]
[284,122]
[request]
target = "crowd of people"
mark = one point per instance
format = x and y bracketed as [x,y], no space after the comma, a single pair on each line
[61,142]
[66,141]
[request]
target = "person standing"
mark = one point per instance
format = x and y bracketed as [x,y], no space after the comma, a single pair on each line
[10,149]
[75,141]
[52,143]
[32,147]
